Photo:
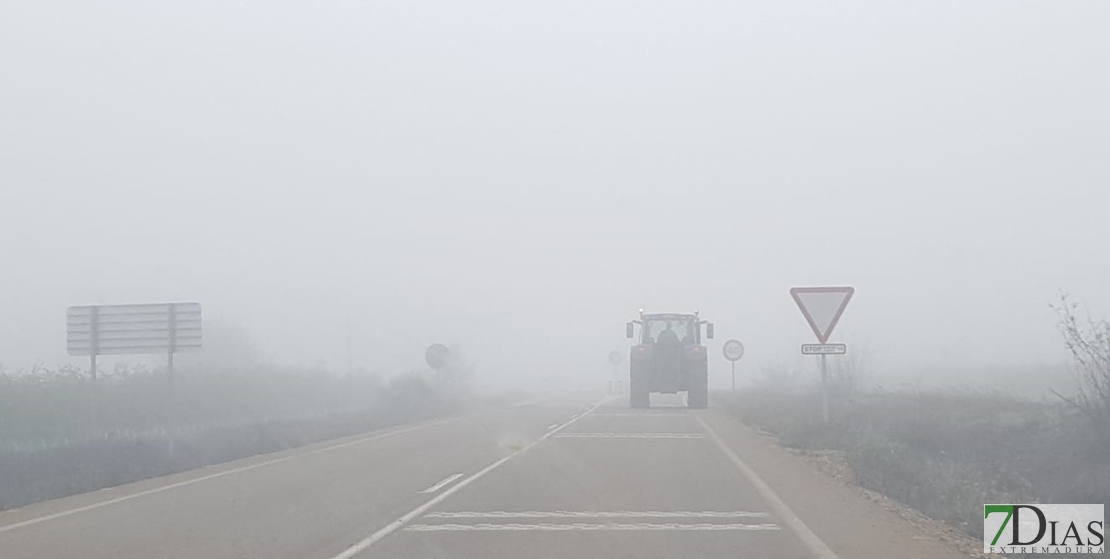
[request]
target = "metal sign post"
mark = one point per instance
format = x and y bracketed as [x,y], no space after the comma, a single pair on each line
[172,347]
[95,330]
[822,308]
[733,351]
[437,357]
[824,389]
[94,346]
[615,359]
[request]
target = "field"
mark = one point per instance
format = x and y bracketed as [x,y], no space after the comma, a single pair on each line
[944,454]
[51,446]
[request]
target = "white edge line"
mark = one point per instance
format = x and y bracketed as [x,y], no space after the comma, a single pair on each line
[618,435]
[594,514]
[416,512]
[442,483]
[152,491]
[808,538]
[547,527]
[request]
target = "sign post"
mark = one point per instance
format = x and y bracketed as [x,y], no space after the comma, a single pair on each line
[437,357]
[733,351]
[615,359]
[132,330]
[822,308]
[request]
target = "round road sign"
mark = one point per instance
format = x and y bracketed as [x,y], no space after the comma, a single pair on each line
[615,358]
[733,350]
[437,356]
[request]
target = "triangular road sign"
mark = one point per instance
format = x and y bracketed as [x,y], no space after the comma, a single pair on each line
[822,307]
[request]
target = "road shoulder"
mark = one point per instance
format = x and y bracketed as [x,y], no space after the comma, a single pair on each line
[851,521]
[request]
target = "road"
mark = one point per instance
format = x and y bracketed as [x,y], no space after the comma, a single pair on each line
[562,477]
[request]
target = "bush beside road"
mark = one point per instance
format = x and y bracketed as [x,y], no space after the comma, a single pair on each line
[944,454]
[51,448]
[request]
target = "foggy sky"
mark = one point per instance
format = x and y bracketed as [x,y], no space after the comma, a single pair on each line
[520,177]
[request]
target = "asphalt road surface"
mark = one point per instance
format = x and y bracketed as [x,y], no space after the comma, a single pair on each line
[570,477]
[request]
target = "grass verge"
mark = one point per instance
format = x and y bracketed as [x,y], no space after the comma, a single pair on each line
[944,454]
[50,448]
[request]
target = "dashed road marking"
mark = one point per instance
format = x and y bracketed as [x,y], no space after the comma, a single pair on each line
[629,436]
[640,414]
[644,526]
[596,514]
[552,426]
[441,484]
[388,529]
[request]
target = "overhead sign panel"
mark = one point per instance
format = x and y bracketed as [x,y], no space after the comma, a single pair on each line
[133,329]
[822,307]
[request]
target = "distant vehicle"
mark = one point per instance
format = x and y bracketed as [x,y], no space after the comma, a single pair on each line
[669,358]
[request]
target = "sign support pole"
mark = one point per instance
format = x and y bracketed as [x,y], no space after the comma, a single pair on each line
[94,331]
[733,351]
[173,344]
[169,376]
[169,371]
[149,328]
[95,390]
[824,389]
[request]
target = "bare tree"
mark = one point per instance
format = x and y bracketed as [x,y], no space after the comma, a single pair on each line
[1089,343]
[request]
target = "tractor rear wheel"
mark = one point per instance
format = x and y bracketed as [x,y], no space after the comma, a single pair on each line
[639,393]
[697,395]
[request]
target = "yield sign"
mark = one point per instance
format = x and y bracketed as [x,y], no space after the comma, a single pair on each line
[822,307]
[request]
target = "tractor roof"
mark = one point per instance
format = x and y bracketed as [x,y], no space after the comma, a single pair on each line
[668,316]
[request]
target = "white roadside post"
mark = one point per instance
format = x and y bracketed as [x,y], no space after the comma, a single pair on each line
[615,359]
[822,308]
[733,351]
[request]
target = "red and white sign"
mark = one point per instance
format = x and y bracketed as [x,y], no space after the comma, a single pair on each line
[822,307]
[733,350]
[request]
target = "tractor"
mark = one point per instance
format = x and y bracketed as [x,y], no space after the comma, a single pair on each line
[669,358]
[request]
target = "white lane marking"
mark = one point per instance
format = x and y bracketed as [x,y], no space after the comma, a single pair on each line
[640,414]
[819,549]
[644,526]
[597,514]
[416,512]
[552,426]
[442,483]
[124,498]
[629,436]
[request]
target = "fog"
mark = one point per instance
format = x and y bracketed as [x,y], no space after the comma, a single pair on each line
[520,178]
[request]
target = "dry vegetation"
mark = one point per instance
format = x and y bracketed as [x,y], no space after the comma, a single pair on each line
[50,447]
[943,454]
[948,453]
